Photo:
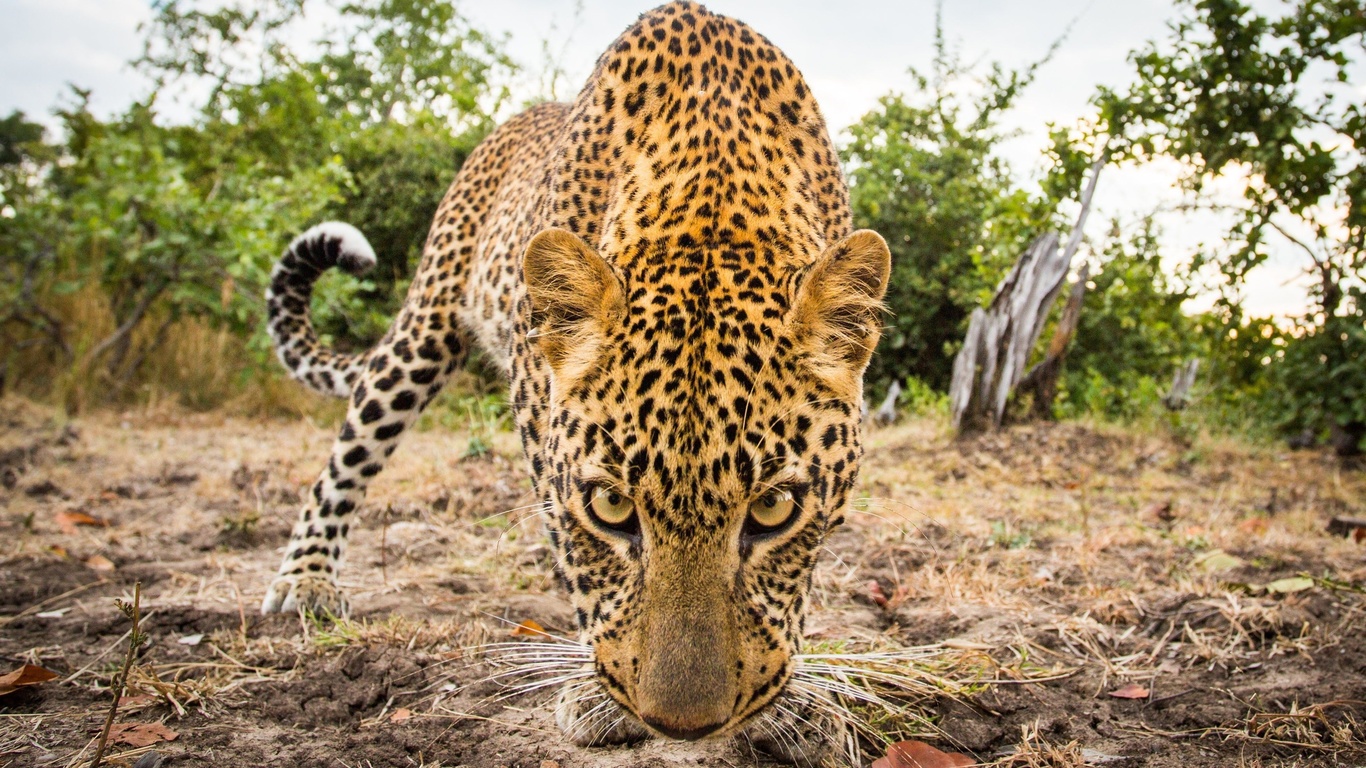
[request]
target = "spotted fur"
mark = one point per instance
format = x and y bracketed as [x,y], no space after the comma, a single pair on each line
[665,271]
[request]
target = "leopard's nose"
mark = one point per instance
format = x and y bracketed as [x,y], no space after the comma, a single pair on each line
[686,734]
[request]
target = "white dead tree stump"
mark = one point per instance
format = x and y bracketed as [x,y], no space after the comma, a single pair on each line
[1001,338]
[886,413]
[1180,394]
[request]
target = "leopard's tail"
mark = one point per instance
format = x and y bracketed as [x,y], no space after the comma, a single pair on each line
[330,244]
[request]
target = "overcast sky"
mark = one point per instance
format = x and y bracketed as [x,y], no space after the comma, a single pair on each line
[851,53]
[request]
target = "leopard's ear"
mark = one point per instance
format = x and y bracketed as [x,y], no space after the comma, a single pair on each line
[574,296]
[838,310]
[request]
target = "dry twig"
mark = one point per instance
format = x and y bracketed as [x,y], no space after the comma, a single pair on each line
[135,638]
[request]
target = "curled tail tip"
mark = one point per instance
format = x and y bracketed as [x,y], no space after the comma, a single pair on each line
[353,252]
[327,245]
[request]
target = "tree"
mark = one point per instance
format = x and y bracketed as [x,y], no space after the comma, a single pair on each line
[151,224]
[1236,92]
[401,94]
[923,172]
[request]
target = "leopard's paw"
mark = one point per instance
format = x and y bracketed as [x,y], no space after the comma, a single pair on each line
[590,718]
[800,734]
[311,594]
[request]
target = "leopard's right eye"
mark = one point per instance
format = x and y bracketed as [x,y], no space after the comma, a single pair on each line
[613,510]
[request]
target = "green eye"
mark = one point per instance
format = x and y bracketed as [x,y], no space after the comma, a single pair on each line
[611,508]
[772,510]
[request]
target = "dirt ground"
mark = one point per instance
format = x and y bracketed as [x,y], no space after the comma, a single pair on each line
[1043,569]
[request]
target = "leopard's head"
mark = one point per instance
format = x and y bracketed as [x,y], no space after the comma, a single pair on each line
[702,438]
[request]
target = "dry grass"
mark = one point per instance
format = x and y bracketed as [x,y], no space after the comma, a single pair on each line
[1035,751]
[185,363]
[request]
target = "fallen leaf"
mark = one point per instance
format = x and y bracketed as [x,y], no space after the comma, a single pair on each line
[99,563]
[530,628]
[24,677]
[68,521]
[1253,525]
[875,592]
[400,714]
[141,734]
[1292,584]
[550,764]
[58,550]
[918,754]
[1217,560]
[1131,691]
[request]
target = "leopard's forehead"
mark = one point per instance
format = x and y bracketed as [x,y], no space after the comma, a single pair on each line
[692,416]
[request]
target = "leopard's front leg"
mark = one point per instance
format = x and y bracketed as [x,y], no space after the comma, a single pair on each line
[806,730]
[590,718]
[401,376]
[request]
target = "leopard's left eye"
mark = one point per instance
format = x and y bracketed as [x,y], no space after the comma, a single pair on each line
[613,511]
[770,512]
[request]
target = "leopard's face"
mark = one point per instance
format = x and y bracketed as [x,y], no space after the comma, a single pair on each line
[702,440]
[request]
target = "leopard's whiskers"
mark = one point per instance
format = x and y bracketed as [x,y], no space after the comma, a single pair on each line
[822,702]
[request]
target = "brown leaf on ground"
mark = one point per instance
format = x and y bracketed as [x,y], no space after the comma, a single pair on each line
[99,563]
[918,754]
[68,521]
[400,714]
[141,734]
[1131,691]
[23,677]
[530,628]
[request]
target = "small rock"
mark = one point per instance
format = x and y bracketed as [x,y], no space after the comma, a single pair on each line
[150,760]
[45,488]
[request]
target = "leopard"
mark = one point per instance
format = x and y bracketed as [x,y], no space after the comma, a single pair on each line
[666,273]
